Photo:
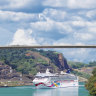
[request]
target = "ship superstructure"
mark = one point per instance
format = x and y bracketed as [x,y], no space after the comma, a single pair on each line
[50,80]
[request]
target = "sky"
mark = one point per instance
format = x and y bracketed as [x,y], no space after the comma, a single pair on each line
[50,22]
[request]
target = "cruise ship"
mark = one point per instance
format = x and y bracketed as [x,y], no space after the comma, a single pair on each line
[55,80]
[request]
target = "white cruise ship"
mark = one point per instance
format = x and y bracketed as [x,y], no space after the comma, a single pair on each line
[50,80]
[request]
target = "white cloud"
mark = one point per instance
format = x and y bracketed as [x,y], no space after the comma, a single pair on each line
[13,4]
[55,3]
[91,14]
[83,36]
[79,23]
[92,29]
[49,25]
[43,25]
[59,31]
[29,5]
[79,43]
[74,4]
[55,20]
[67,42]
[60,43]
[23,37]
[82,4]
[17,16]
[55,14]
[16,4]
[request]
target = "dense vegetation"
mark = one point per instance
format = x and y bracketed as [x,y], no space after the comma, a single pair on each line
[91,84]
[28,61]
[81,74]
[91,64]
[78,65]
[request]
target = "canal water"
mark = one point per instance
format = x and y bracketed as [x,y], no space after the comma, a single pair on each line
[31,91]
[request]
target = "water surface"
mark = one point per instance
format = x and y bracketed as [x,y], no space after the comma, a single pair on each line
[30,91]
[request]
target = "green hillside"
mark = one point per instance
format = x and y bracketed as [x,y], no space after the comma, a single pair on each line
[29,61]
[78,65]
[82,69]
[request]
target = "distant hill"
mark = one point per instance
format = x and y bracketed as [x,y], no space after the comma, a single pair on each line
[82,69]
[78,65]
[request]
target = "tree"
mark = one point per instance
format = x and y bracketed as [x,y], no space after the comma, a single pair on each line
[91,84]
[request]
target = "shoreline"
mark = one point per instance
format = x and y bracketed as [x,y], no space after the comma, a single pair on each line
[14,83]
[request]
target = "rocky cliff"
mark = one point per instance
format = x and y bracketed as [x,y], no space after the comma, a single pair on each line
[62,62]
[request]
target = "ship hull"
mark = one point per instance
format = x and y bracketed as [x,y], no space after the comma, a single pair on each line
[63,84]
